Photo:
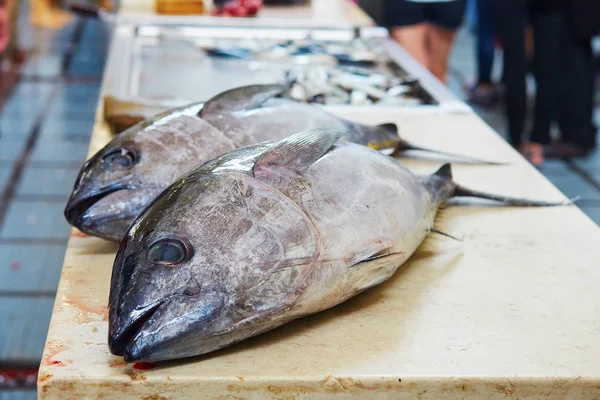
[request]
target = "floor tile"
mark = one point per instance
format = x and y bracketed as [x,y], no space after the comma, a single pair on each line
[87,67]
[555,167]
[47,65]
[39,89]
[15,128]
[35,219]
[74,103]
[18,395]
[59,129]
[573,185]
[4,175]
[60,151]
[593,212]
[592,162]
[30,268]
[47,181]
[11,150]
[83,137]
[77,93]
[24,109]
[27,103]
[23,327]
[86,112]
[73,110]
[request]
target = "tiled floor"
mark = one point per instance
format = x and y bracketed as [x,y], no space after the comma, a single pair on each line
[45,127]
[44,133]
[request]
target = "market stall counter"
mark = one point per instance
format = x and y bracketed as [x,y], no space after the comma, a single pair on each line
[509,310]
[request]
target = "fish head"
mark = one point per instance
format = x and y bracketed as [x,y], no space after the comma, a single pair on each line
[116,184]
[210,262]
[109,190]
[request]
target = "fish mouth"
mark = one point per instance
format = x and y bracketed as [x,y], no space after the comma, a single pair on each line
[124,336]
[78,204]
[112,228]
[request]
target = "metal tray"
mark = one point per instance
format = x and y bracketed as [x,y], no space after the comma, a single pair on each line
[164,62]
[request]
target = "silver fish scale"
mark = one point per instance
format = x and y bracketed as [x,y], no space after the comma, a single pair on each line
[279,118]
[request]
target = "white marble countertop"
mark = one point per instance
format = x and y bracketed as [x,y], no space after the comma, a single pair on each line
[511,311]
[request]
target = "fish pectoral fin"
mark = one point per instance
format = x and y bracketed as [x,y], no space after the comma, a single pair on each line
[434,230]
[375,269]
[242,98]
[297,152]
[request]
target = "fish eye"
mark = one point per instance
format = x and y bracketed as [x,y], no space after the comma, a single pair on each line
[168,251]
[121,156]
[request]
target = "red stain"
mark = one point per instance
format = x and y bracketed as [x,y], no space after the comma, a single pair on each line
[15,266]
[143,365]
[88,312]
[117,363]
[78,233]
[52,349]
[44,377]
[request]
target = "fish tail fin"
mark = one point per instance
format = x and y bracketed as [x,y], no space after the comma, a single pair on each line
[403,146]
[442,185]
[461,191]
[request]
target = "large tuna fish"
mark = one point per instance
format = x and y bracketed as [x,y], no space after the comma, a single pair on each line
[263,235]
[118,181]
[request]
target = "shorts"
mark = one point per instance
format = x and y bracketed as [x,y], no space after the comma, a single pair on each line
[445,14]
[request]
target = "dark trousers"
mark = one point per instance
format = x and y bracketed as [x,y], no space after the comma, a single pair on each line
[485,40]
[576,98]
[511,18]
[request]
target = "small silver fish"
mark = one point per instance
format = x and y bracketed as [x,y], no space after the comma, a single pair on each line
[264,235]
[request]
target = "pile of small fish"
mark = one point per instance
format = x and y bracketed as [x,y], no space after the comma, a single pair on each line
[356,72]
[355,86]
[241,214]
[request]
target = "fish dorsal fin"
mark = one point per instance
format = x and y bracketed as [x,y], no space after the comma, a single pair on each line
[297,152]
[242,98]
[445,172]
[389,127]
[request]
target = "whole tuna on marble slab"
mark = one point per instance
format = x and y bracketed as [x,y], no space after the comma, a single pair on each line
[266,234]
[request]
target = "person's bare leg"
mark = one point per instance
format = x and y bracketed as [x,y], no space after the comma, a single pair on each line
[412,38]
[439,43]
[46,14]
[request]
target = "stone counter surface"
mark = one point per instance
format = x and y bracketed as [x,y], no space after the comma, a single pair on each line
[316,13]
[511,311]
